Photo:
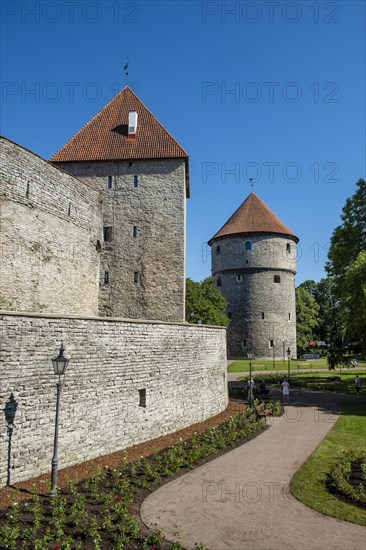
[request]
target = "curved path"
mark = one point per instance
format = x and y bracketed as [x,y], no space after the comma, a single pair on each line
[241,500]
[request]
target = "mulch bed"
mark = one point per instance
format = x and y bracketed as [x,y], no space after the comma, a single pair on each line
[40,485]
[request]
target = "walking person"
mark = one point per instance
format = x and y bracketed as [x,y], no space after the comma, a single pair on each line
[250,389]
[286,390]
[358,386]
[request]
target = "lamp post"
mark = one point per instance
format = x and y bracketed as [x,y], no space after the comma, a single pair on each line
[250,357]
[288,363]
[60,364]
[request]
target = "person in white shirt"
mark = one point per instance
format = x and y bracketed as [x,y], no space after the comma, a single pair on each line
[286,390]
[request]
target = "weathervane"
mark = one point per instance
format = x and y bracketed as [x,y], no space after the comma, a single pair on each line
[125,68]
[252,184]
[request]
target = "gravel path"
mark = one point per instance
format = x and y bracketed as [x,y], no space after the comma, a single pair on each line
[241,500]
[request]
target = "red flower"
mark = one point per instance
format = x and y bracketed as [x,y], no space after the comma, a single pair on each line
[118,498]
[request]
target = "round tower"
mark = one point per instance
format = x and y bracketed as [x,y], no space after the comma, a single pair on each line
[254,267]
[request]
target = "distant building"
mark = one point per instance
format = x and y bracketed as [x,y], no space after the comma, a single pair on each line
[254,266]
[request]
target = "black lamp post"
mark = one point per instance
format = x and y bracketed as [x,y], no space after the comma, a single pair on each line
[250,357]
[288,363]
[60,364]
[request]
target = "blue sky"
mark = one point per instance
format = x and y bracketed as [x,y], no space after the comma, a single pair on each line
[273,91]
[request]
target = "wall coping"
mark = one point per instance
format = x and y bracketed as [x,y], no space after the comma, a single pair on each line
[4,313]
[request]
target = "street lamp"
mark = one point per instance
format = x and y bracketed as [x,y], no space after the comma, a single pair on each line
[60,364]
[288,363]
[250,390]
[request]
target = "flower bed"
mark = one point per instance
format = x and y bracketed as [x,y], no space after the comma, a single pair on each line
[347,478]
[101,512]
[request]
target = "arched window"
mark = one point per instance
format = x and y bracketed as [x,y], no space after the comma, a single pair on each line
[277,279]
[218,282]
[248,245]
[288,248]
[239,278]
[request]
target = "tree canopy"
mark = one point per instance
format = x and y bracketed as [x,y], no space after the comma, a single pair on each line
[306,318]
[347,265]
[349,238]
[205,303]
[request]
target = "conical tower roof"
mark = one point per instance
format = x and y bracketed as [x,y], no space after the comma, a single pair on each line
[105,136]
[253,216]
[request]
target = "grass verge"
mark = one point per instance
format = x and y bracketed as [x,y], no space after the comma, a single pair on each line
[318,380]
[309,483]
[243,366]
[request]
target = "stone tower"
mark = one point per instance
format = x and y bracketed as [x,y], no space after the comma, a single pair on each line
[142,175]
[254,266]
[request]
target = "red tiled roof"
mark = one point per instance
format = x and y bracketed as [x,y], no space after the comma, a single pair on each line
[105,136]
[253,216]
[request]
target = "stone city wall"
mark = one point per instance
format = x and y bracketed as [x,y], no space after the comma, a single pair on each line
[115,365]
[50,225]
[144,256]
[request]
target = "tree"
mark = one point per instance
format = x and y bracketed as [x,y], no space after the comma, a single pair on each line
[205,303]
[349,238]
[306,318]
[355,283]
[346,264]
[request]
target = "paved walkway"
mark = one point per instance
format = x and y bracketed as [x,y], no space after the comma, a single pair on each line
[241,500]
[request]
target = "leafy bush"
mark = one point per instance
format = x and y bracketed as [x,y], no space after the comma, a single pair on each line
[341,479]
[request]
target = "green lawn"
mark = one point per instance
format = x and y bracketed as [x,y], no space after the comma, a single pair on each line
[317,380]
[243,366]
[308,484]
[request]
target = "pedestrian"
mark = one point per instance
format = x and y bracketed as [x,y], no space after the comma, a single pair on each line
[250,389]
[286,390]
[358,386]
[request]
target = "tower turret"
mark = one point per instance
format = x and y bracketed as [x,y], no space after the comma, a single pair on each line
[254,267]
[142,174]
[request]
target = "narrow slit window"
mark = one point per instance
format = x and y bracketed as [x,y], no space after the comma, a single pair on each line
[107,233]
[134,231]
[69,209]
[27,190]
[288,248]
[218,250]
[109,183]
[262,315]
[230,315]
[218,282]
[239,278]
[135,181]
[136,277]
[106,277]
[277,279]
[289,316]
[142,397]
[271,343]
[245,343]
[130,163]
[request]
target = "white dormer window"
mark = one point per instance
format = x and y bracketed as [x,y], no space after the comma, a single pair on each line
[132,123]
